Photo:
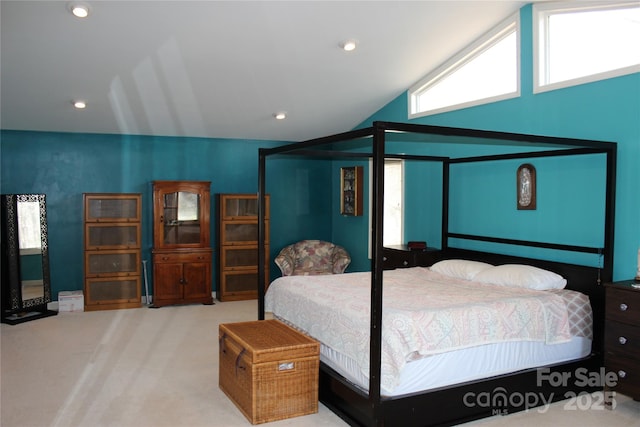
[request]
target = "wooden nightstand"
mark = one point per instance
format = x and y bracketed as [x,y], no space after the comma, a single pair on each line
[622,336]
[400,256]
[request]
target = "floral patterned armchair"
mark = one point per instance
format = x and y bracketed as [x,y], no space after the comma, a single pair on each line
[309,257]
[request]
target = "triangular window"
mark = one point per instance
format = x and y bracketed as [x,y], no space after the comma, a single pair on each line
[487,71]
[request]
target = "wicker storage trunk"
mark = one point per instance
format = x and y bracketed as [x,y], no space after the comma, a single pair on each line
[269,370]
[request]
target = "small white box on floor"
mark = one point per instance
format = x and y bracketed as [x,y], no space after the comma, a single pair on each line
[70,301]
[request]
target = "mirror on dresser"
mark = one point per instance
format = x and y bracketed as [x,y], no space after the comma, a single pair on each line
[26,286]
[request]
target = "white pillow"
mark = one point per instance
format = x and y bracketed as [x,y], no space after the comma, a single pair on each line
[521,276]
[460,268]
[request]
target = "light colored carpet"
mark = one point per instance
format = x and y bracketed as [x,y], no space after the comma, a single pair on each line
[159,367]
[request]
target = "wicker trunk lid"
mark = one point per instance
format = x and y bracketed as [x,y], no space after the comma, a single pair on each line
[269,370]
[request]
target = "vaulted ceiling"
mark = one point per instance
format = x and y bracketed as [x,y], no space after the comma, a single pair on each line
[223,68]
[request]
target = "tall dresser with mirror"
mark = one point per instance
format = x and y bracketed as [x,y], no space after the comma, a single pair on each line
[182,254]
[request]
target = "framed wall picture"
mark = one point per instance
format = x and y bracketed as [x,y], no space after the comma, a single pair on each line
[526,187]
[351,191]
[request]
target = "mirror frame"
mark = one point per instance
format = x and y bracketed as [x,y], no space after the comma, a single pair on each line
[14,308]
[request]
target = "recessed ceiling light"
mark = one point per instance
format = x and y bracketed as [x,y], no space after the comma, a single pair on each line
[280,116]
[79,104]
[349,45]
[79,10]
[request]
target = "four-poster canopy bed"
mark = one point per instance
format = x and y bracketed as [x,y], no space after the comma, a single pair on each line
[368,399]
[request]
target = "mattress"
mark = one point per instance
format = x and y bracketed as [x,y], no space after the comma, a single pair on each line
[335,310]
[464,365]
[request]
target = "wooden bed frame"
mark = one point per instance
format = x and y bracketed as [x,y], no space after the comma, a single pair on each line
[505,393]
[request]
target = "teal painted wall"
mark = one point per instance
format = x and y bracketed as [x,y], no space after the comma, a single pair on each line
[607,110]
[65,165]
[301,202]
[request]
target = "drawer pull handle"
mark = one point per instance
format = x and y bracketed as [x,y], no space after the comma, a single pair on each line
[621,374]
[622,340]
[623,307]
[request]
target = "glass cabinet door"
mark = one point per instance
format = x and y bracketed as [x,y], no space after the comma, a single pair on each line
[112,263]
[181,214]
[181,218]
[241,206]
[111,236]
[100,290]
[105,207]
[240,257]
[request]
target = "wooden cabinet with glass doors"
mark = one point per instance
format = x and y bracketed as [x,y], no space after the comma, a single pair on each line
[351,191]
[181,243]
[237,244]
[112,251]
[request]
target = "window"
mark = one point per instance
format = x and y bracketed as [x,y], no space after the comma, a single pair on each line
[487,71]
[393,202]
[575,44]
[393,225]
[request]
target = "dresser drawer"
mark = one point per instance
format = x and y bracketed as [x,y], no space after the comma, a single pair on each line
[628,372]
[623,305]
[182,257]
[622,339]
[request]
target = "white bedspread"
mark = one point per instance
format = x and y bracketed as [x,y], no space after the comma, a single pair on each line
[424,313]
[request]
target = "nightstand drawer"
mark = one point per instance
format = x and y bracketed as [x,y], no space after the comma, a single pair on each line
[400,256]
[623,306]
[397,259]
[628,373]
[622,336]
[622,339]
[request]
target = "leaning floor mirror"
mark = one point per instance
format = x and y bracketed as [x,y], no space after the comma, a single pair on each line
[26,286]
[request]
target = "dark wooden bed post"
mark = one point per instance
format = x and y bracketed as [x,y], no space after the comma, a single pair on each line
[610,212]
[444,243]
[375,342]
[261,231]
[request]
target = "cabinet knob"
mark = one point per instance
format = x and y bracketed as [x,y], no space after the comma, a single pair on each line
[384,258]
[621,374]
[405,263]
[622,340]
[623,307]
